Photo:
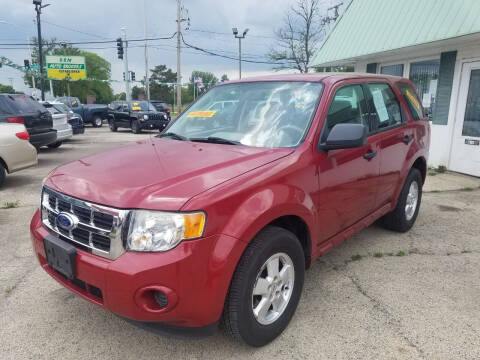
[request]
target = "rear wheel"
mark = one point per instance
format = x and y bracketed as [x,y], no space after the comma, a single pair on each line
[265,288]
[97,121]
[403,217]
[55,145]
[3,174]
[136,128]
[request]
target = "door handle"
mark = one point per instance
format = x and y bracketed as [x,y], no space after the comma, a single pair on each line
[406,140]
[370,155]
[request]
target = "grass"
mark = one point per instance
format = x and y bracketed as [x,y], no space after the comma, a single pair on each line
[435,191]
[441,169]
[356,257]
[468,188]
[10,205]
[378,255]
[9,289]
[400,253]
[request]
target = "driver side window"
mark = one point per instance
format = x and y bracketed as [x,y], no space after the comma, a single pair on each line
[348,107]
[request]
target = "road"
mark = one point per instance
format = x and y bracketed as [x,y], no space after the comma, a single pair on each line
[419,300]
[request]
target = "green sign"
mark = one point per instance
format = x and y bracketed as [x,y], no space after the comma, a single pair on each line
[66,67]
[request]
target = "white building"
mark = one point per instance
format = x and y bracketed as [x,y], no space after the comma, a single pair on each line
[435,43]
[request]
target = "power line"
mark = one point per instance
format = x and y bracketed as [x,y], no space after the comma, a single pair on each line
[74,30]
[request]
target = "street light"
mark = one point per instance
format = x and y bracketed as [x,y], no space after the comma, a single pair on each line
[38,9]
[239,37]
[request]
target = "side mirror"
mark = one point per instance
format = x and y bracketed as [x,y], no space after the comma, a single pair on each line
[345,136]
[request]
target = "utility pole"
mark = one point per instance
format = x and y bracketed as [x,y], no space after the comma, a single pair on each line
[239,37]
[147,80]
[125,62]
[38,9]
[179,76]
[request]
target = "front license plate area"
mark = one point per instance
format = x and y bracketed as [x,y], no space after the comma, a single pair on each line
[61,256]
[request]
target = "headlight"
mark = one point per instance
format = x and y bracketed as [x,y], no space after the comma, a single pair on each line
[165,116]
[162,231]
[145,117]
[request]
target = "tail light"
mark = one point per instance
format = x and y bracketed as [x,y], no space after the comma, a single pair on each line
[168,110]
[16,120]
[23,135]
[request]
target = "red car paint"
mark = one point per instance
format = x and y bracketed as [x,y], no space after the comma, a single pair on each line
[241,189]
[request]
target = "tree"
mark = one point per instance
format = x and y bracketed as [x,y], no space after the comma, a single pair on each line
[208,80]
[120,96]
[138,93]
[98,69]
[224,78]
[301,32]
[7,89]
[159,89]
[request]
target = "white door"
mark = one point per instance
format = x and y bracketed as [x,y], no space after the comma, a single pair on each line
[465,156]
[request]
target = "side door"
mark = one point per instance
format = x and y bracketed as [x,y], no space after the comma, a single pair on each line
[392,135]
[347,177]
[123,114]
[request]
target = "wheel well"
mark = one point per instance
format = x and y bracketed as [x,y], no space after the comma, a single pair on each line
[297,226]
[4,164]
[421,165]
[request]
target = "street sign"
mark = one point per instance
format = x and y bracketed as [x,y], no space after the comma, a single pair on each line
[35,67]
[66,67]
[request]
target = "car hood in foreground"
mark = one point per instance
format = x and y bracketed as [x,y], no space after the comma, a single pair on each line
[161,174]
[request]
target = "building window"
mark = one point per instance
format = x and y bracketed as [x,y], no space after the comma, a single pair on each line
[424,75]
[395,70]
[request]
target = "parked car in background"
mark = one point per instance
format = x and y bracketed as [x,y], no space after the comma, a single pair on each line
[136,115]
[60,123]
[16,152]
[217,218]
[162,106]
[23,109]
[91,114]
[74,119]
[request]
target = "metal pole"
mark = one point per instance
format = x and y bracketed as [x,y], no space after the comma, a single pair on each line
[147,80]
[125,62]
[179,76]
[38,9]
[51,87]
[240,57]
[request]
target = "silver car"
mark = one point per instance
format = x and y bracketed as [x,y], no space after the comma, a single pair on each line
[60,123]
[16,152]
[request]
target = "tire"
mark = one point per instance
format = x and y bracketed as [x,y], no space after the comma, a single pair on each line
[3,174]
[97,121]
[239,319]
[136,128]
[55,145]
[401,219]
[112,126]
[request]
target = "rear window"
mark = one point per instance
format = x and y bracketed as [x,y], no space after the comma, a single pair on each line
[411,99]
[19,104]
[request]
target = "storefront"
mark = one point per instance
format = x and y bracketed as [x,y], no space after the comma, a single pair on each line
[445,69]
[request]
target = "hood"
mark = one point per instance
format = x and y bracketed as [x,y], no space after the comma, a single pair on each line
[95,106]
[160,174]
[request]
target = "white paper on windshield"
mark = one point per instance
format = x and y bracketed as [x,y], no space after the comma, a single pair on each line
[380,105]
[426,100]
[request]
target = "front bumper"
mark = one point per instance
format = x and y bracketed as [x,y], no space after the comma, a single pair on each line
[195,277]
[154,124]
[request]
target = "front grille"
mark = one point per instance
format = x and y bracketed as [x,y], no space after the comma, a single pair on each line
[95,228]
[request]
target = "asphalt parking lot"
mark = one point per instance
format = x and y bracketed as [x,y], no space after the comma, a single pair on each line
[379,295]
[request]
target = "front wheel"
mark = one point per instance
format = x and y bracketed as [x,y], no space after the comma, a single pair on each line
[55,145]
[136,128]
[265,288]
[403,217]
[3,174]
[97,121]
[112,126]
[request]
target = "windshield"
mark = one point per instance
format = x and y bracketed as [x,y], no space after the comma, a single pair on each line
[62,108]
[142,106]
[260,114]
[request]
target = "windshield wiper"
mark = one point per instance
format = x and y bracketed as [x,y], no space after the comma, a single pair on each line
[216,140]
[173,136]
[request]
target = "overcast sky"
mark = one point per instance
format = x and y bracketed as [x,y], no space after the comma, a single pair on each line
[211,22]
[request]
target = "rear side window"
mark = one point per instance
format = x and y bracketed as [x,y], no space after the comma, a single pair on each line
[20,104]
[385,105]
[411,99]
[348,107]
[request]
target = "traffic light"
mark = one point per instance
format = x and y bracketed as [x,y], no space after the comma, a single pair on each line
[120,48]
[132,75]
[27,64]
[124,76]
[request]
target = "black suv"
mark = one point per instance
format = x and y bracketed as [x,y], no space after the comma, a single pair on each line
[136,115]
[162,106]
[23,109]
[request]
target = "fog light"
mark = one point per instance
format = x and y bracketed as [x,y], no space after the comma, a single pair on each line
[160,298]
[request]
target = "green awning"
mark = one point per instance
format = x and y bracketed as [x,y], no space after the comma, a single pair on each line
[375,26]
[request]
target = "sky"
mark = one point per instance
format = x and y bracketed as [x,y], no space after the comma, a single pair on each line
[211,23]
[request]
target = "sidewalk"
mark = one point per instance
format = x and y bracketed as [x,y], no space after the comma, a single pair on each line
[449,181]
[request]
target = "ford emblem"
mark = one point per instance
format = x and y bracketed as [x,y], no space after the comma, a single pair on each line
[67,221]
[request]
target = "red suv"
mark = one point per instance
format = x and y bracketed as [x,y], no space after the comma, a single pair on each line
[219,216]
